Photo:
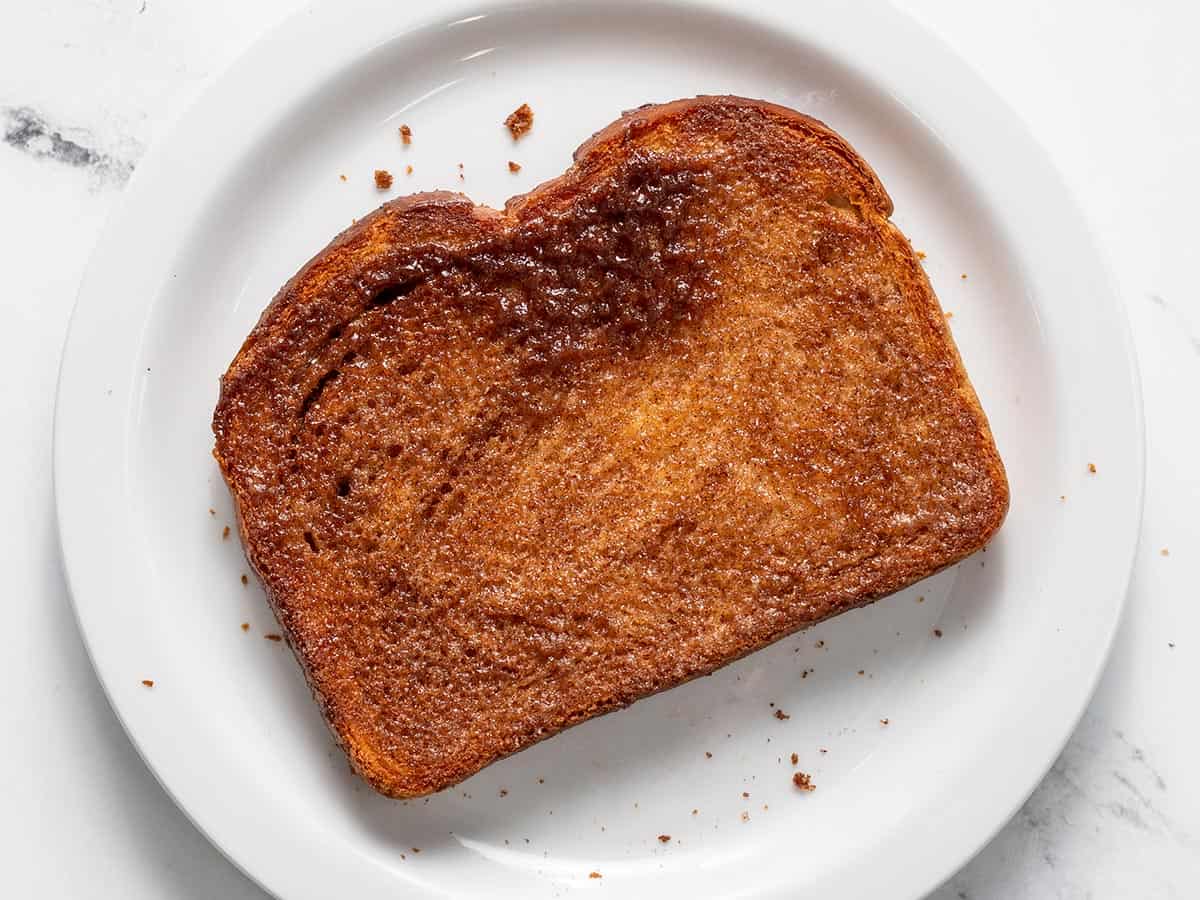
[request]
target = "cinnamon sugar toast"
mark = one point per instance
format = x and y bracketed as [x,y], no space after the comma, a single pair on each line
[503,471]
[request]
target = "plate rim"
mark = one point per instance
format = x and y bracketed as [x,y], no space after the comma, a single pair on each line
[170,143]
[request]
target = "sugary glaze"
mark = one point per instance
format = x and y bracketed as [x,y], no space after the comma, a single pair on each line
[503,471]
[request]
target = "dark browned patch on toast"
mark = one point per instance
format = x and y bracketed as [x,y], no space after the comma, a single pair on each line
[697,387]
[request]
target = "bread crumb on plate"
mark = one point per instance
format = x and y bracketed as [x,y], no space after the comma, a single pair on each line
[519,121]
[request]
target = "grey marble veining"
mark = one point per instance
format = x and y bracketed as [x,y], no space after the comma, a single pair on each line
[27,131]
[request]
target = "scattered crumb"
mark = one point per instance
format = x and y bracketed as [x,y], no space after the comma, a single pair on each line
[883,721]
[245,626]
[1062,497]
[937,632]
[416,849]
[862,671]
[781,715]
[405,135]
[765,807]
[745,817]
[541,781]
[746,794]
[707,755]
[819,644]
[695,812]
[1092,468]
[519,121]
[921,599]
[949,316]
[383,179]
[823,750]
[408,170]
[795,758]
[273,637]
[225,533]
[1170,644]
[594,875]
[920,254]
[503,792]
[964,276]
[245,580]
[402,856]
[211,511]
[342,177]
[514,167]
[460,165]
[1164,552]
[147,682]
[664,838]
[803,781]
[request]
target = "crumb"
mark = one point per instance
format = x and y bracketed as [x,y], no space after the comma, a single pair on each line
[405,135]
[1062,497]
[823,750]
[781,715]
[765,807]
[273,637]
[949,316]
[245,626]
[408,170]
[862,671]
[921,599]
[519,121]
[795,758]
[707,755]
[937,632]
[460,165]
[514,167]
[803,781]
[503,792]
[1170,644]
[920,254]
[343,177]
[211,511]
[416,849]
[541,781]
[225,533]
[746,794]
[745,817]
[147,682]
[664,838]
[383,179]
[594,875]
[883,721]
[964,276]
[695,812]
[1092,468]
[245,580]
[1164,552]
[402,856]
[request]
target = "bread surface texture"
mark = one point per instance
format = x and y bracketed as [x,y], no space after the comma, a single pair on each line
[503,471]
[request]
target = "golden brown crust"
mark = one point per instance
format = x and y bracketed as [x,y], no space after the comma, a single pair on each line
[697,386]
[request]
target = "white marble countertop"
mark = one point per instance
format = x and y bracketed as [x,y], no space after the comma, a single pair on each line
[1112,91]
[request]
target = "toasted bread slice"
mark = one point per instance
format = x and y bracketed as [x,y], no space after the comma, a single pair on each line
[501,472]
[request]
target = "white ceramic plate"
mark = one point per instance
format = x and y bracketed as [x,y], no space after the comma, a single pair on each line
[247,187]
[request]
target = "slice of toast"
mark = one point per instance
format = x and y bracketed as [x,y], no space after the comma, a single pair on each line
[501,472]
